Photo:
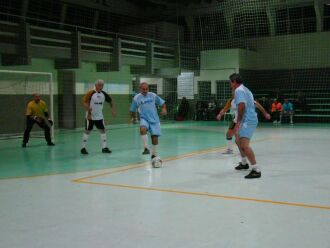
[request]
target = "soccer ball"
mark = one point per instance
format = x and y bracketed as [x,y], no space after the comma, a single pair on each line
[156,162]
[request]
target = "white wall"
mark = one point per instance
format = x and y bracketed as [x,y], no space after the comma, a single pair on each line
[154,81]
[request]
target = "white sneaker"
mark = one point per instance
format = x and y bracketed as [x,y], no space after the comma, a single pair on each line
[228,151]
[274,122]
[291,122]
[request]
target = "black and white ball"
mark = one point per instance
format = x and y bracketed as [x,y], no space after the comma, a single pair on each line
[156,162]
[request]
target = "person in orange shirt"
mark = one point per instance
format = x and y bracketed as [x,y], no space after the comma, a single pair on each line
[276,111]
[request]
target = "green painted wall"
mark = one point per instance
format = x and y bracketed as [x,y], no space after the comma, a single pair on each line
[300,51]
[88,74]
[17,105]
[219,59]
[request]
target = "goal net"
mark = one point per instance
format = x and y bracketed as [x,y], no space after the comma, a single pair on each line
[16,89]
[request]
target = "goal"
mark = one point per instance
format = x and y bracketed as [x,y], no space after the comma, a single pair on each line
[16,89]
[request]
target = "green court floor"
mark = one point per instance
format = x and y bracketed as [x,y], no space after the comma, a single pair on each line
[177,138]
[38,159]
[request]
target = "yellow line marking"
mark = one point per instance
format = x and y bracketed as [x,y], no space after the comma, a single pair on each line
[124,168]
[293,204]
[200,152]
[103,169]
[143,164]
[52,174]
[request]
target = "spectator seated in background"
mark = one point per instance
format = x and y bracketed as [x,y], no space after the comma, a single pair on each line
[276,111]
[287,110]
[201,110]
[211,110]
[183,110]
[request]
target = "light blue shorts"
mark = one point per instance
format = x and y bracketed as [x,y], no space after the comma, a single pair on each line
[153,128]
[246,130]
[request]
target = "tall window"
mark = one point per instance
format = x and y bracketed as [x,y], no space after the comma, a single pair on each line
[223,90]
[211,26]
[153,88]
[326,20]
[296,20]
[204,90]
[251,25]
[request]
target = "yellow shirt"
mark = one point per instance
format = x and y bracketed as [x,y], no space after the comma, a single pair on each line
[36,109]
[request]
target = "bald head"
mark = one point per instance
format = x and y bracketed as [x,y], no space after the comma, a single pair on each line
[144,88]
[36,97]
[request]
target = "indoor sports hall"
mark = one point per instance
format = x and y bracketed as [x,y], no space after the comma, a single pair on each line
[77,169]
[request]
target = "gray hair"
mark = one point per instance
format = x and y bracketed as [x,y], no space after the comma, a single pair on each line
[99,81]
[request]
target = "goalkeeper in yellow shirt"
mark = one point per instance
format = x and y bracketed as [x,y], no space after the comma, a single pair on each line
[37,112]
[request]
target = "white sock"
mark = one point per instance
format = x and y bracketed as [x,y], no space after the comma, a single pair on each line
[244,160]
[84,140]
[144,138]
[255,167]
[103,137]
[229,144]
[153,151]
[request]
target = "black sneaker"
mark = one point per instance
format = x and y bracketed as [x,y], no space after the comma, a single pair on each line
[106,150]
[253,174]
[84,151]
[153,156]
[50,144]
[24,145]
[146,151]
[241,166]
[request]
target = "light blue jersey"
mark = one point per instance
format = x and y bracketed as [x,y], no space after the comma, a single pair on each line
[147,105]
[287,107]
[244,95]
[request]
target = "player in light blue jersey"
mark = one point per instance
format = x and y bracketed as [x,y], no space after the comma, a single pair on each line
[146,102]
[247,122]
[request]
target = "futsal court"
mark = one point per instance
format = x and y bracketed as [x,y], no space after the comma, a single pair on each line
[182,68]
[56,197]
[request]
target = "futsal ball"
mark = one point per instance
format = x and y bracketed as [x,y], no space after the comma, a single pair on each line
[156,162]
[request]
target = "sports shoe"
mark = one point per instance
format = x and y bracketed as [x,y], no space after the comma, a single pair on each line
[106,150]
[241,166]
[153,156]
[50,144]
[84,151]
[253,174]
[228,151]
[24,145]
[146,151]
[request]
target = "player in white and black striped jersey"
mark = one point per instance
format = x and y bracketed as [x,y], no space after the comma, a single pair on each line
[93,101]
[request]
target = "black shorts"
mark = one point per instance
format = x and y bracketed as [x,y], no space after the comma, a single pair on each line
[232,125]
[90,124]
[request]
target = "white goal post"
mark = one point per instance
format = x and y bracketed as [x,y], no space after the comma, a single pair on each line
[16,89]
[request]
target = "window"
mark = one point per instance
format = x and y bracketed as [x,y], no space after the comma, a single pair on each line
[204,90]
[223,90]
[254,24]
[296,20]
[326,20]
[211,27]
[153,88]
